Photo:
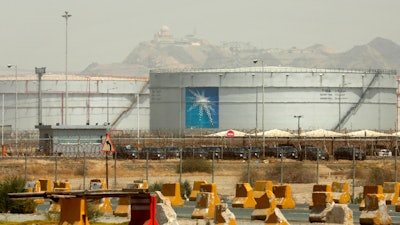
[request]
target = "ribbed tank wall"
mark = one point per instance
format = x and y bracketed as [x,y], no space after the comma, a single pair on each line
[92,101]
[328,99]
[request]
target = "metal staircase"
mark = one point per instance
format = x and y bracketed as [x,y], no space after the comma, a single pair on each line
[357,105]
[131,106]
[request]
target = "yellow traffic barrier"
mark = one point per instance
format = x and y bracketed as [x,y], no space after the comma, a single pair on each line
[103,204]
[223,216]
[261,187]
[196,189]
[205,206]
[370,189]
[140,185]
[73,211]
[265,206]
[322,203]
[55,206]
[244,196]
[320,188]
[340,192]
[173,192]
[213,189]
[123,207]
[206,201]
[45,185]
[375,210]
[391,192]
[283,195]
[34,186]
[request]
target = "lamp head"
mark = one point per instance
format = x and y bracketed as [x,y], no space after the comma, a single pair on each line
[9,65]
[255,60]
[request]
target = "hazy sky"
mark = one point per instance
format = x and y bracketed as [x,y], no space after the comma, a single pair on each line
[105,31]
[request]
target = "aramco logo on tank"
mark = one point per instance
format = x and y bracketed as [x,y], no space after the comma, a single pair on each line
[202,107]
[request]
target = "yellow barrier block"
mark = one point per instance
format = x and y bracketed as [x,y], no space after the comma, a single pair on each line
[138,185]
[265,206]
[34,186]
[370,189]
[213,189]
[123,207]
[322,203]
[391,192]
[223,216]
[276,218]
[103,204]
[375,211]
[340,192]
[73,211]
[173,192]
[244,196]
[283,195]
[261,187]
[320,188]
[205,206]
[45,184]
[55,207]
[196,189]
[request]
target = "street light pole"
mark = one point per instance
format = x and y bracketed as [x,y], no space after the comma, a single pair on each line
[66,16]
[263,102]
[16,105]
[298,117]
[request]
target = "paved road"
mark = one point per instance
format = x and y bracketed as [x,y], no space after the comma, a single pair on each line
[299,215]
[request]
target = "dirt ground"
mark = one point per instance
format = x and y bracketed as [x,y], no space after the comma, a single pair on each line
[226,173]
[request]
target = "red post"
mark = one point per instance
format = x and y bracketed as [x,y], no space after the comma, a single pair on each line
[143,209]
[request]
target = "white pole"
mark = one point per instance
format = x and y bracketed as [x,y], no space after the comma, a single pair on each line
[138,119]
[66,16]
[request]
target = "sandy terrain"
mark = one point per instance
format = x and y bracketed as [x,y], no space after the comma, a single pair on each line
[226,175]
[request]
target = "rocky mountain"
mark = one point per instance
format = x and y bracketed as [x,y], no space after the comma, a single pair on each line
[165,51]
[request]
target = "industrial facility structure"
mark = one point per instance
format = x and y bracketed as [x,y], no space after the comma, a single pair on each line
[115,102]
[265,98]
[247,99]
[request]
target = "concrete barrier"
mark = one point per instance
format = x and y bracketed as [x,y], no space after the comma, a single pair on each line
[375,210]
[73,211]
[34,186]
[340,192]
[123,207]
[320,188]
[55,207]
[213,189]
[223,216]
[265,206]
[244,196]
[103,205]
[370,189]
[173,192]
[260,187]
[196,189]
[206,201]
[322,204]
[276,218]
[391,192]
[205,206]
[165,212]
[45,185]
[283,195]
[339,214]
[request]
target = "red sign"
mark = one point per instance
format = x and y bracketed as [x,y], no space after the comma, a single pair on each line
[230,134]
[108,146]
